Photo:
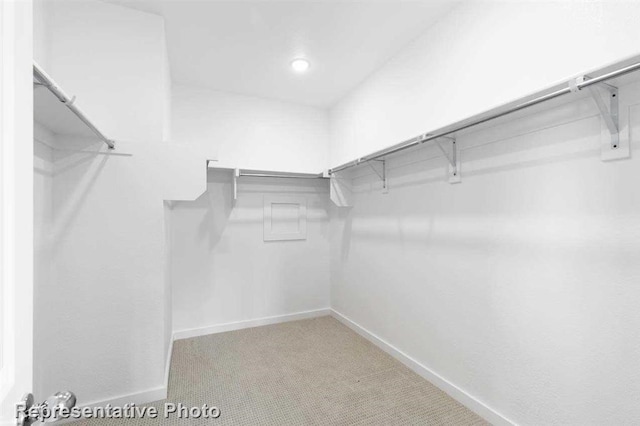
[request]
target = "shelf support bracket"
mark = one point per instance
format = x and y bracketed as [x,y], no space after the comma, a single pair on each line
[606,97]
[609,114]
[452,157]
[236,175]
[382,174]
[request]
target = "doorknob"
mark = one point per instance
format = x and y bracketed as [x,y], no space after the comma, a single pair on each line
[28,413]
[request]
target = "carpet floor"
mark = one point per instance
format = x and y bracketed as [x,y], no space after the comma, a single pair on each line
[309,372]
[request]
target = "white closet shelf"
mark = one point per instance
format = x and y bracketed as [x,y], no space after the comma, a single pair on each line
[607,78]
[270,173]
[238,173]
[57,111]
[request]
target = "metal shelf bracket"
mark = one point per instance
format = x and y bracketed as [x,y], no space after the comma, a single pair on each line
[609,114]
[603,94]
[236,175]
[452,157]
[382,174]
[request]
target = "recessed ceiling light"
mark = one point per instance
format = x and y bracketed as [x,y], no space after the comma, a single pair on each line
[300,65]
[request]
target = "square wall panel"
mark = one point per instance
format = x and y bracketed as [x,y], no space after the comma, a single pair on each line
[285,218]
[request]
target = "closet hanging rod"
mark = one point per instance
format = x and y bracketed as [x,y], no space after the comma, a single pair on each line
[45,80]
[248,173]
[465,124]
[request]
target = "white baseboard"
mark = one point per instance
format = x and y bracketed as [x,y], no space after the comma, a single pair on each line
[452,390]
[138,398]
[238,325]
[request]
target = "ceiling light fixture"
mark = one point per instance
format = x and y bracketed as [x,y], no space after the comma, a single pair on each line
[300,65]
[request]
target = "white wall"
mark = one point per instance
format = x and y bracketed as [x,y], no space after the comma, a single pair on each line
[114,60]
[222,270]
[479,56]
[103,318]
[251,133]
[518,285]
[102,328]
[103,323]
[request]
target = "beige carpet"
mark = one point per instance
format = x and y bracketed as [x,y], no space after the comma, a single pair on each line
[310,372]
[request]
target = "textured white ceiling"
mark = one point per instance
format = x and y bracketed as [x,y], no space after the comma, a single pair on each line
[246,46]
